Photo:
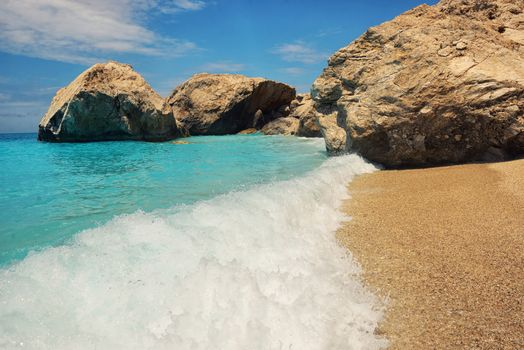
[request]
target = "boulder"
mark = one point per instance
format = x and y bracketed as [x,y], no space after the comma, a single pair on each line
[334,135]
[304,110]
[247,131]
[439,84]
[281,126]
[218,104]
[107,102]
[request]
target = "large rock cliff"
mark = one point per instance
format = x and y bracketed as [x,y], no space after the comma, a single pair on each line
[107,102]
[217,104]
[438,84]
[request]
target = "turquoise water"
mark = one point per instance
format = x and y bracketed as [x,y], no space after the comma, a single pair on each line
[224,243]
[52,191]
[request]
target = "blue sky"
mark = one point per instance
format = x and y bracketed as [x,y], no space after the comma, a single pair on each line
[44,44]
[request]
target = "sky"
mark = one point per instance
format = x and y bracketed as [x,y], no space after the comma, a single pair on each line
[45,44]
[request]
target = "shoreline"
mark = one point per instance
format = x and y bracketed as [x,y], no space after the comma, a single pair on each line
[445,247]
[258,263]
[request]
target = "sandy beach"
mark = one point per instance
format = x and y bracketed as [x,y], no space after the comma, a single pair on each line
[444,247]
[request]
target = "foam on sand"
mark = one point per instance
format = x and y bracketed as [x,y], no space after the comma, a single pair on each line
[259,269]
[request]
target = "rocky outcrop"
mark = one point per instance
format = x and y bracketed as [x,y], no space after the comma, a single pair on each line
[218,104]
[334,135]
[301,121]
[281,126]
[304,110]
[107,102]
[438,84]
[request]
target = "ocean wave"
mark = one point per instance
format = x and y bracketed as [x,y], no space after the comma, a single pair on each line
[258,269]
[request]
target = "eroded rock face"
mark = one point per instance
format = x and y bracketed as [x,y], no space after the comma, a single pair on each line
[107,102]
[218,104]
[438,84]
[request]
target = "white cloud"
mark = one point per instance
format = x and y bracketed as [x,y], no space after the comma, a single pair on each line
[22,110]
[303,88]
[293,70]
[88,30]
[299,52]
[328,32]
[222,67]
[20,116]
[181,5]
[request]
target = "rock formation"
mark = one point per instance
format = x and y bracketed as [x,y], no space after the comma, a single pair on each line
[438,84]
[334,135]
[107,102]
[247,131]
[304,110]
[301,121]
[218,104]
[281,126]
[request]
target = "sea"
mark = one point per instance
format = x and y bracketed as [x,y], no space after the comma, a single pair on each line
[223,242]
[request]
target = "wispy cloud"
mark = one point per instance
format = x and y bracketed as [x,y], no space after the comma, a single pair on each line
[8,115]
[4,97]
[181,5]
[222,67]
[293,70]
[87,31]
[20,112]
[299,51]
[328,32]
[20,115]
[9,104]
[303,88]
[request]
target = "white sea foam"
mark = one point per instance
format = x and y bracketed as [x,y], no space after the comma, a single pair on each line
[248,270]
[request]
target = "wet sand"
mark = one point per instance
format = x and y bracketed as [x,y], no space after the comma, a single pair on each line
[445,248]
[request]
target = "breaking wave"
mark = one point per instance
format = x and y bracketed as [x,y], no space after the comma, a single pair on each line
[258,269]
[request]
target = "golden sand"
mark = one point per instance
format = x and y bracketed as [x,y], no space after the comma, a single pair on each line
[445,247]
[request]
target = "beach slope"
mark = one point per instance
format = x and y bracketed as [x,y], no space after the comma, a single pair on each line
[445,248]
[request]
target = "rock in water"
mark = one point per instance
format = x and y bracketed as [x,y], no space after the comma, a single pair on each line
[218,104]
[281,126]
[301,121]
[305,111]
[438,84]
[334,135]
[107,102]
[247,131]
